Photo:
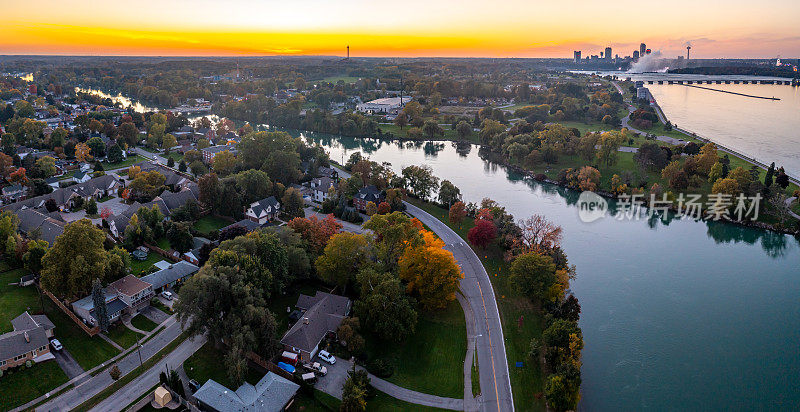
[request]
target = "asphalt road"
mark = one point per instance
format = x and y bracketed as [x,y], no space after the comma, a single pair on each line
[84,391]
[477,288]
[67,363]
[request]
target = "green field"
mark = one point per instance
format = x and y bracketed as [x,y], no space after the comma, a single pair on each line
[123,336]
[14,299]
[125,163]
[21,386]
[432,360]
[142,323]
[527,381]
[207,224]
[207,364]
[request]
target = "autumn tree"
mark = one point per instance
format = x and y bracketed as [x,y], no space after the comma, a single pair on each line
[609,143]
[83,153]
[316,232]
[148,185]
[457,212]
[482,234]
[431,271]
[18,177]
[539,234]
[46,166]
[384,208]
[393,234]
[706,158]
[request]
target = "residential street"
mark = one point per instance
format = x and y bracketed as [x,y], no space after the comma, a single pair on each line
[86,390]
[477,288]
[132,391]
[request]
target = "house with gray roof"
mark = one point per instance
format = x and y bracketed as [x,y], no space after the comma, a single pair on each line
[272,393]
[27,342]
[367,194]
[264,210]
[322,315]
[173,274]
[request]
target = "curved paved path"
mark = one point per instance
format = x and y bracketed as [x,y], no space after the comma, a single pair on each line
[476,287]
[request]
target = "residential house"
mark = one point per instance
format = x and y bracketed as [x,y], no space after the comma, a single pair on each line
[27,342]
[272,393]
[12,193]
[123,296]
[321,188]
[264,210]
[49,227]
[209,153]
[171,275]
[322,315]
[367,194]
[247,224]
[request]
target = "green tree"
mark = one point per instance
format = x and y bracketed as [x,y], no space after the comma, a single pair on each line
[393,234]
[534,275]
[432,129]
[100,308]
[97,146]
[46,166]
[33,256]
[115,154]
[344,255]
[253,185]
[464,130]
[168,142]
[449,193]
[75,259]
[384,307]
[292,203]
[421,180]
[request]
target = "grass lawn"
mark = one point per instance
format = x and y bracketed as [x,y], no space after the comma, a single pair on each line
[123,336]
[475,375]
[160,306]
[322,402]
[164,244]
[142,323]
[87,351]
[14,299]
[125,163]
[432,360]
[208,224]
[177,157]
[207,364]
[140,266]
[22,386]
[527,381]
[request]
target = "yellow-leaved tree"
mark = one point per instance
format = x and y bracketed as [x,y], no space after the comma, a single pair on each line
[431,271]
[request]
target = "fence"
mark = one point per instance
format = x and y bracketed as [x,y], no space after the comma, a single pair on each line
[91,331]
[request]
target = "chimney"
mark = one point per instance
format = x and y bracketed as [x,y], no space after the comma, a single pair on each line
[305,322]
[27,338]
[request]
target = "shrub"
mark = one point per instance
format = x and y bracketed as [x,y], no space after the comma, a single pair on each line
[28,364]
[382,368]
[115,372]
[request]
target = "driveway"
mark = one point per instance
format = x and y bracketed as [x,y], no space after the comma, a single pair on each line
[154,314]
[116,205]
[67,363]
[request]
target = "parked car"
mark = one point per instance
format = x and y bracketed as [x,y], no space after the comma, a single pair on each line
[316,367]
[309,377]
[285,366]
[327,357]
[56,344]
[194,385]
[166,295]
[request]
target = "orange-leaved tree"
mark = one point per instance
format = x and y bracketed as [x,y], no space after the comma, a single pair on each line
[431,271]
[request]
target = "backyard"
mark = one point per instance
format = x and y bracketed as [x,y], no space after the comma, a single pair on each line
[125,163]
[207,364]
[14,299]
[210,223]
[140,267]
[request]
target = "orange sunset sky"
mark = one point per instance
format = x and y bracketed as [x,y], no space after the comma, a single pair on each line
[508,28]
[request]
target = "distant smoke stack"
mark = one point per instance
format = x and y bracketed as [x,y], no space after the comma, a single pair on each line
[687,51]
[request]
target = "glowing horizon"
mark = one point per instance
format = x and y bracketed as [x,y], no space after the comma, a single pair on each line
[414,28]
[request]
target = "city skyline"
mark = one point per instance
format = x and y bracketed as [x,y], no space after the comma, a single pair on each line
[443,29]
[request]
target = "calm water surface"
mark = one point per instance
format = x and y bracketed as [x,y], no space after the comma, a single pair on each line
[681,315]
[768,130]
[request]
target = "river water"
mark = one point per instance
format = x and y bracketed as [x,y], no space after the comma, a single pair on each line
[677,315]
[768,130]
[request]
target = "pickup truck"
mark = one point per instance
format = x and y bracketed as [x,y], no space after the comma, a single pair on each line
[316,367]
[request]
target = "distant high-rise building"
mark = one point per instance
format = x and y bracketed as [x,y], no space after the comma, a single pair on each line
[648,51]
[642,49]
[636,55]
[576,56]
[608,53]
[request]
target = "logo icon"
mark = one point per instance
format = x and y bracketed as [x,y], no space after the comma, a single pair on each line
[591,206]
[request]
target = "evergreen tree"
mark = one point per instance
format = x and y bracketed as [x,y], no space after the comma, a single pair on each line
[770,175]
[99,300]
[182,166]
